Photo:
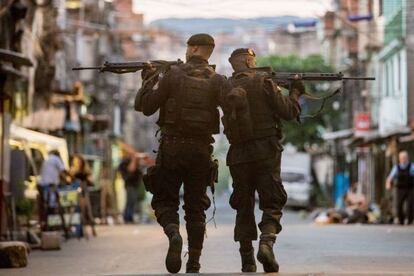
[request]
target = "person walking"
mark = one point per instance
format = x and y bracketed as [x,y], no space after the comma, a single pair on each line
[403,175]
[253,109]
[51,173]
[132,176]
[187,97]
[82,173]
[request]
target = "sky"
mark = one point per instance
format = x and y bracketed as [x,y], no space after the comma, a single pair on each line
[157,9]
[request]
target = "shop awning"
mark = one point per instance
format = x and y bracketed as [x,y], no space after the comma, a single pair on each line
[375,136]
[351,139]
[51,142]
[397,131]
[406,138]
[340,134]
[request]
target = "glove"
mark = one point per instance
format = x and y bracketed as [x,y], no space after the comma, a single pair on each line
[299,87]
[148,71]
[148,77]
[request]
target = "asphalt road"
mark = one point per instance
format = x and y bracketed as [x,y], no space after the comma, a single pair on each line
[303,248]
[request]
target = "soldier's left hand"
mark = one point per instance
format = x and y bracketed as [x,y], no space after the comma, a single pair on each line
[298,85]
[148,71]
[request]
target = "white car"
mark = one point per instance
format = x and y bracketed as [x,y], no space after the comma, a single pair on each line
[298,187]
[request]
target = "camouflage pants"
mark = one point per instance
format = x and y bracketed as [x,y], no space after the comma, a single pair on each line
[264,177]
[187,162]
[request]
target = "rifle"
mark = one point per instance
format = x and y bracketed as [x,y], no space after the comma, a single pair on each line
[287,77]
[161,66]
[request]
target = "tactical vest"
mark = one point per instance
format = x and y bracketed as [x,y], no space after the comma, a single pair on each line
[191,109]
[257,121]
[404,178]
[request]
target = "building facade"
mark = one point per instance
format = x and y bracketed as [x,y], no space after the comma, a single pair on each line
[376,40]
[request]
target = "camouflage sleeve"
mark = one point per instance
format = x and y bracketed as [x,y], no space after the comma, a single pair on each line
[152,96]
[222,89]
[286,107]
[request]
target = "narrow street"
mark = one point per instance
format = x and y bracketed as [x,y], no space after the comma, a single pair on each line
[303,248]
[99,96]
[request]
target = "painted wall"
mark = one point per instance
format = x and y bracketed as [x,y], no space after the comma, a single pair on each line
[409,41]
[394,69]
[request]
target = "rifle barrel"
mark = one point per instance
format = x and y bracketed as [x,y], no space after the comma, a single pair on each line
[86,68]
[359,78]
[316,77]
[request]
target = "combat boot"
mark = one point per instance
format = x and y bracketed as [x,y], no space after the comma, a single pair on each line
[195,233]
[266,255]
[193,263]
[173,259]
[248,261]
[247,256]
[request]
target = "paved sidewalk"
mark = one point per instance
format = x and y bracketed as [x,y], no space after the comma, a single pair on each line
[302,249]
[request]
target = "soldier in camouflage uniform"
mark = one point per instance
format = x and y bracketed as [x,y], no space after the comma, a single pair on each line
[187,98]
[253,109]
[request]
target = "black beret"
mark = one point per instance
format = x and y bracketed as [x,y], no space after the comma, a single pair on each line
[243,51]
[201,39]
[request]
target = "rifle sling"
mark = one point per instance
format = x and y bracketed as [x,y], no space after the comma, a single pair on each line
[324,99]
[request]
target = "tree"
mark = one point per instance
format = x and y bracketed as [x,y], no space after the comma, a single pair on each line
[308,132]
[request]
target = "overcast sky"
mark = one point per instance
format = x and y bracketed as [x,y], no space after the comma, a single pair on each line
[156,9]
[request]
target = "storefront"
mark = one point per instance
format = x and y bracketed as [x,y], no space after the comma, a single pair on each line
[9,78]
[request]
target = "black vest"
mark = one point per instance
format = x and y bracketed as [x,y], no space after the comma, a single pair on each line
[404,179]
[258,119]
[191,108]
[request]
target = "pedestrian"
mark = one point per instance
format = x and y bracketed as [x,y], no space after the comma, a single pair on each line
[403,175]
[356,205]
[187,97]
[108,196]
[51,173]
[80,170]
[253,109]
[82,174]
[132,176]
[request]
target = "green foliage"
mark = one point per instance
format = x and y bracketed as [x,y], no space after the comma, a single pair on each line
[25,207]
[292,63]
[308,132]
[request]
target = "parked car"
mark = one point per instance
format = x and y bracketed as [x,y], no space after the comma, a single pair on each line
[296,178]
[298,186]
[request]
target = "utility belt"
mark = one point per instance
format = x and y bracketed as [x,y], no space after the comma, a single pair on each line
[184,139]
[258,135]
[152,177]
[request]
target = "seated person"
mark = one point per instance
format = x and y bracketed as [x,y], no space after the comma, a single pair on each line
[356,205]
